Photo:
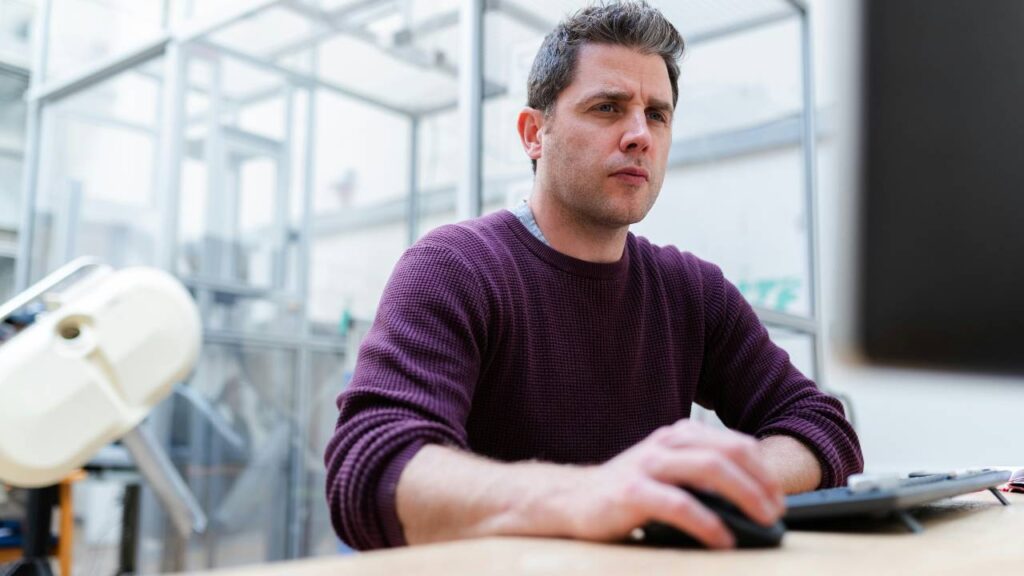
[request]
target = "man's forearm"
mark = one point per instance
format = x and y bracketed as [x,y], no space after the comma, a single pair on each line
[447,494]
[795,467]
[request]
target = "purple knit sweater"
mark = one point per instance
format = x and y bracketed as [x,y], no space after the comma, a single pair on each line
[488,340]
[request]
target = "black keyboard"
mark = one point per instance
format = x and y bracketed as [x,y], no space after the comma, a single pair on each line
[883,497]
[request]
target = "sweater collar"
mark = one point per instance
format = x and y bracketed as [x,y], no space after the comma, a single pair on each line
[565,262]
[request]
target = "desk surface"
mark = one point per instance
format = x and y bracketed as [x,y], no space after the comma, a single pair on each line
[965,536]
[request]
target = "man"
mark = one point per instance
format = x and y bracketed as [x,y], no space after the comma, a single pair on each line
[532,373]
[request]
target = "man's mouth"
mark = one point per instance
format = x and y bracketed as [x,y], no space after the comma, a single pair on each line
[631,175]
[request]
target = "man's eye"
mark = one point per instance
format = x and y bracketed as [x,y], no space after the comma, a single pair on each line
[658,116]
[606,107]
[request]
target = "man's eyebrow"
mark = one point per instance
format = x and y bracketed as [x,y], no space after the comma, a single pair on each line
[610,94]
[623,96]
[661,105]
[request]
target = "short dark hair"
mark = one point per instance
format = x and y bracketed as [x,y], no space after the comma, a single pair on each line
[630,23]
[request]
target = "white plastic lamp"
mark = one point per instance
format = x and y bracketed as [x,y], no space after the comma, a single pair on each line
[89,370]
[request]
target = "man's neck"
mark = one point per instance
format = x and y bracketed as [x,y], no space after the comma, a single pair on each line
[575,237]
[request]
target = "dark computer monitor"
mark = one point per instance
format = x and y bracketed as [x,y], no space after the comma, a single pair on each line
[941,255]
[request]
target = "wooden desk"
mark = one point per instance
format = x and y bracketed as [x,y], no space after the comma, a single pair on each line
[966,536]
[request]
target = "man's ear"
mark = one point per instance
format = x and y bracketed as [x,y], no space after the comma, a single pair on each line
[531,124]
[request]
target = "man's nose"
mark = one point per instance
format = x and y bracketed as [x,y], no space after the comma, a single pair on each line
[637,135]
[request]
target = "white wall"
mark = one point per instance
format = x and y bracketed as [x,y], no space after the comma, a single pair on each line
[906,419]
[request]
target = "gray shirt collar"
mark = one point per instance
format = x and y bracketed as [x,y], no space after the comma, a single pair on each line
[525,215]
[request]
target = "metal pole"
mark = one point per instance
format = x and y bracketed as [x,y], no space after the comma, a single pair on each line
[414,193]
[161,475]
[298,78]
[471,82]
[106,69]
[811,192]
[172,136]
[68,231]
[33,137]
[51,281]
[29,182]
[297,533]
[167,188]
[217,256]
[283,195]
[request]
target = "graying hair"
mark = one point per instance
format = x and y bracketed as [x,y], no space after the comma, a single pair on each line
[630,23]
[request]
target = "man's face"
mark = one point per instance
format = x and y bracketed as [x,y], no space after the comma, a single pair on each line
[606,144]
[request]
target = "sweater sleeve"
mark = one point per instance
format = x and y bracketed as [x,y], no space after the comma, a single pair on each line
[413,385]
[753,387]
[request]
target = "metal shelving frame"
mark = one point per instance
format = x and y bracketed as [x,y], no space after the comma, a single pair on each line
[12,71]
[174,46]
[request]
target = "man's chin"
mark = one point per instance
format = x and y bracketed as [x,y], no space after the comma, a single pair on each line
[628,215]
[629,209]
[622,218]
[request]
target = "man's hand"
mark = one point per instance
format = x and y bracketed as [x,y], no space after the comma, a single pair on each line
[643,484]
[444,494]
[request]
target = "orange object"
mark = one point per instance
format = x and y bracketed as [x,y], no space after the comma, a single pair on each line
[66,528]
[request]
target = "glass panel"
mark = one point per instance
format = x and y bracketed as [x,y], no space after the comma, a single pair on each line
[16,31]
[237,221]
[10,201]
[6,277]
[435,218]
[508,173]
[740,80]
[407,79]
[229,308]
[349,270]
[512,38]
[360,206]
[691,18]
[403,54]
[330,375]
[696,18]
[745,214]
[362,155]
[439,145]
[198,11]
[265,32]
[800,348]
[743,211]
[231,433]
[96,175]
[12,146]
[84,32]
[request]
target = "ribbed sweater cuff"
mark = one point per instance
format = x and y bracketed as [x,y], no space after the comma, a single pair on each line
[387,493]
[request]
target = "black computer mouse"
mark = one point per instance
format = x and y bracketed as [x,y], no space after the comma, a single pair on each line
[748,533]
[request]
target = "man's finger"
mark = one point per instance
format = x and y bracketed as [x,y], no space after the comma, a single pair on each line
[675,507]
[741,449]
[709,471]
